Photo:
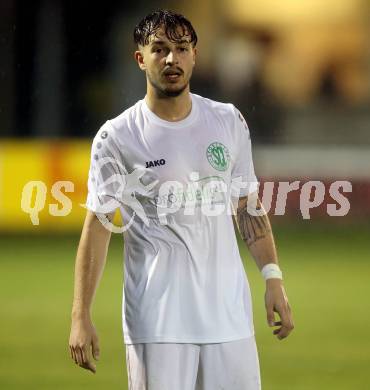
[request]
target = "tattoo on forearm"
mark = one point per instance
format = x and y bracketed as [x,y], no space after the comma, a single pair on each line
[252,228]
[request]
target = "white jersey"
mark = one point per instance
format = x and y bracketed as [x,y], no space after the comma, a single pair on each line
[184,280]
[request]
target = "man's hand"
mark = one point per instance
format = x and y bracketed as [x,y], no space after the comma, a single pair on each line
[84,339]
[277,301]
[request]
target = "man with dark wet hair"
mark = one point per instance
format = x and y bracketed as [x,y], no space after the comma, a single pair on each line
[171,164]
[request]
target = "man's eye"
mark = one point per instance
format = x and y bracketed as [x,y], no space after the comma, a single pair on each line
[158,50]
[183,48]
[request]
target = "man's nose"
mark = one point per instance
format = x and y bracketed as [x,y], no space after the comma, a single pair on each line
[171,58]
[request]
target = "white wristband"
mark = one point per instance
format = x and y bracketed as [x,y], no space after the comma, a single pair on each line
[270,271]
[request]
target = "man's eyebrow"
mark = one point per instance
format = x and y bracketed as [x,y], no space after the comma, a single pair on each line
[163,43]
[183,41]
[157,43]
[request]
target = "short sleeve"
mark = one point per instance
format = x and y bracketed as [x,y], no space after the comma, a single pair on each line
[106,179]
[242,174]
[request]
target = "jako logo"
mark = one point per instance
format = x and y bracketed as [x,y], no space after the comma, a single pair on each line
[155,163]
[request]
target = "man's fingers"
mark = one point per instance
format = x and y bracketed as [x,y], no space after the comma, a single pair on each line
[81,355]
[78,354]
[287,324]
[74,357]
[85,354]
[270,315]
[95,348]
[89,366]
[86,363]
[92,368]
[282,332]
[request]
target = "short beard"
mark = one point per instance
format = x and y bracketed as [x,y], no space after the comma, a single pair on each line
[165,93]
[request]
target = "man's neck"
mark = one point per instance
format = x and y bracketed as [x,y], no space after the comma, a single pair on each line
[171,109]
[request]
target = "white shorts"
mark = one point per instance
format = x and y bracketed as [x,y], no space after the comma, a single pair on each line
[232,365]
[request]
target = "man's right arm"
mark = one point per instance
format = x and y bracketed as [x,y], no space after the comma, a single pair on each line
[89,266]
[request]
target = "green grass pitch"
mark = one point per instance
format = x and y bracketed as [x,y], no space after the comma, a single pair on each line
[326,271]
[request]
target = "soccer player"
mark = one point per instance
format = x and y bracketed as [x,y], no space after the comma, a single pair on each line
[167,164]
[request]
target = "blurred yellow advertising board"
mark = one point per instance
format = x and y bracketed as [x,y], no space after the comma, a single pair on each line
[51,176]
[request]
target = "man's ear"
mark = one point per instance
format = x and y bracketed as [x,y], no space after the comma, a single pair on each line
[194,54]
[139,58]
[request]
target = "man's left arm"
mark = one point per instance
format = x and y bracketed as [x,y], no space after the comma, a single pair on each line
[256,232]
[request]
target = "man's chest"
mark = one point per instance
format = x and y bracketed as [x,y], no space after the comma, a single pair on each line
[178,154]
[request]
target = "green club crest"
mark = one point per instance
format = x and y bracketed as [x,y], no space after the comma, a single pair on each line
[218,156]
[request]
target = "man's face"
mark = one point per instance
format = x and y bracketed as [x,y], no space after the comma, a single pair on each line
[168,65]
